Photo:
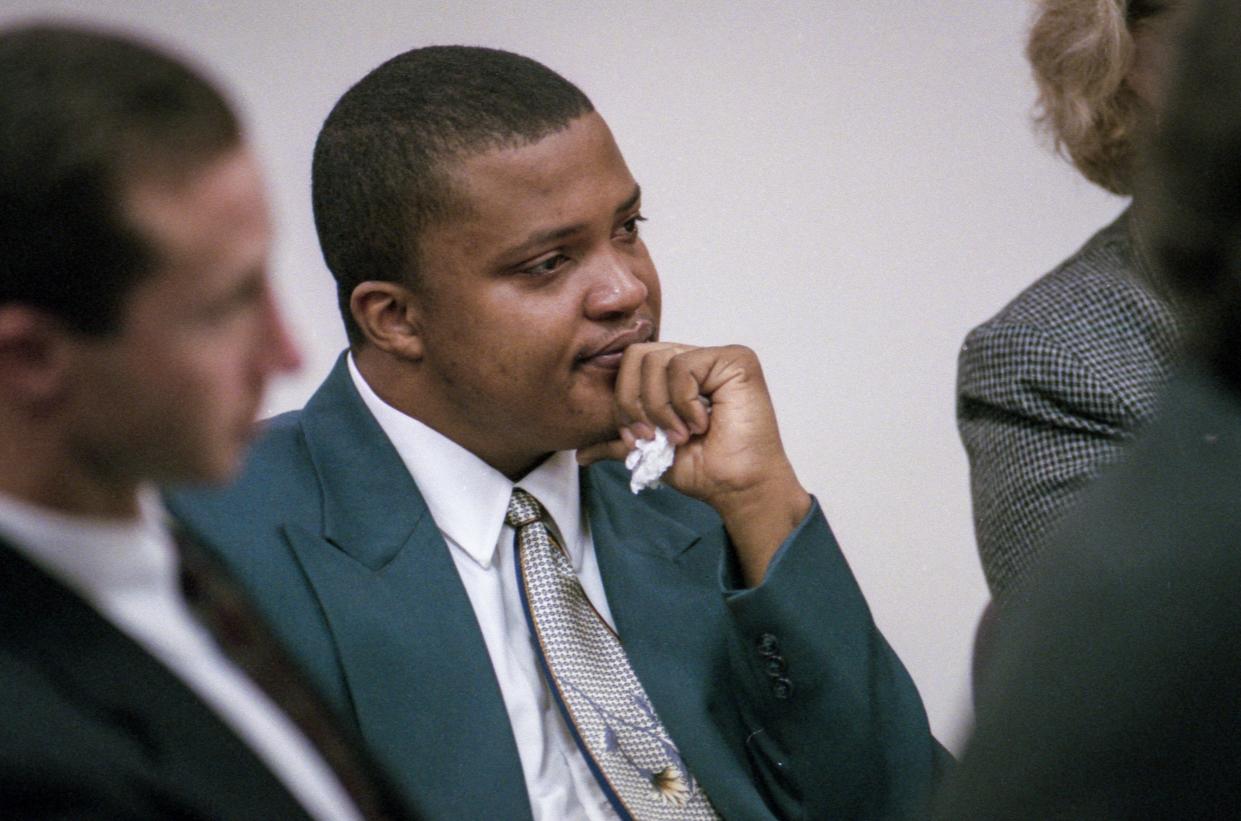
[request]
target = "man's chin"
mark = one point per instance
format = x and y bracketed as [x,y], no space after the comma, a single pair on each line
[597,436]
[211,470]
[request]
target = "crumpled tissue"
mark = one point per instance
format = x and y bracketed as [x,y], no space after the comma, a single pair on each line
[648,460]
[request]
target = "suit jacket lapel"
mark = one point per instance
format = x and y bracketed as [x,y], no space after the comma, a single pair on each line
[380,569]
[661,576]
[160,727]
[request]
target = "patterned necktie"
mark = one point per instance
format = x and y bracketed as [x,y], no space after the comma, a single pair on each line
[241,634]
[613,722]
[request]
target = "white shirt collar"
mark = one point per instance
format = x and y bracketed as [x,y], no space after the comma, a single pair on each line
[467,497]
[100,558]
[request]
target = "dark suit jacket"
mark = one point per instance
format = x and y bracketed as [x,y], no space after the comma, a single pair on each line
[330,532]
[94,727]
[1051,388]
[1115,690]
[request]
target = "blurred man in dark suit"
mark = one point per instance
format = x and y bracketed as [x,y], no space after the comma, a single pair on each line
[137,332]
[1115,686]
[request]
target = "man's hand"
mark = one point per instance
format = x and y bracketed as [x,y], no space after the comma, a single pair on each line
[731,458]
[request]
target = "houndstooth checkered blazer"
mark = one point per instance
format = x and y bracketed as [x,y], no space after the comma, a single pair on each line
[1051,388]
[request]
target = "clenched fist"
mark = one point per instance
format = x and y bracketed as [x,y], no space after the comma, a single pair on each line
[730,457]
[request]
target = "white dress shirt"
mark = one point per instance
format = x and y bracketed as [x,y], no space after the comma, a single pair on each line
[468,500]
[128,571]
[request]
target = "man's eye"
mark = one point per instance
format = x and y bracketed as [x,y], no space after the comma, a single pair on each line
[241,301]
[629,227]
[545,266]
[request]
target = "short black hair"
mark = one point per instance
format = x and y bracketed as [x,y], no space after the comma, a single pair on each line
[1194,188]
[380,173]
[82,114]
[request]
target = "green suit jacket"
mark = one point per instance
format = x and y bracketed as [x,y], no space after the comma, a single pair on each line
[784,700]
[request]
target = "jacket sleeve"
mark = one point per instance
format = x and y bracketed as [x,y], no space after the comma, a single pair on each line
[838,727]
[1038,423]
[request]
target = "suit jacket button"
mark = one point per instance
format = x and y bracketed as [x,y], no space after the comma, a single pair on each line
[782,689]
[768,645]
[775,666]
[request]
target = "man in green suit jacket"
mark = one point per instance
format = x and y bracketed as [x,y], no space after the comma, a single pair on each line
[503,317]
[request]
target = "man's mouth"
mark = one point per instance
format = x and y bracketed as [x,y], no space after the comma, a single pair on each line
[607,352]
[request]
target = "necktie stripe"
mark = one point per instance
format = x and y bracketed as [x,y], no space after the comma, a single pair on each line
[562,704]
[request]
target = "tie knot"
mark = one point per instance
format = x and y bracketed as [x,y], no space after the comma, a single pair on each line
[523,509]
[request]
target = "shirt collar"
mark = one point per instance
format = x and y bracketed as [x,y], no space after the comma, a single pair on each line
[467,497]
[100,558]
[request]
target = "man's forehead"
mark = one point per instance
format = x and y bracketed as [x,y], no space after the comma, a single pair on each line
[541,236]
[503,200]
[190,210]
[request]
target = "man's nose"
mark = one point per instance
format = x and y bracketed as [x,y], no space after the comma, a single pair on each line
[278,352]
[617,288]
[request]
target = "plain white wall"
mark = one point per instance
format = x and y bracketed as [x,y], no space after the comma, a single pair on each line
[847,187]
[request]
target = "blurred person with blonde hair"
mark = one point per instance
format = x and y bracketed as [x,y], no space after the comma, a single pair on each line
[1051,388]
[1112,692]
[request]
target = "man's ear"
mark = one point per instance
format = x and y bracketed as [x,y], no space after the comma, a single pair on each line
[388,314]
[34,356]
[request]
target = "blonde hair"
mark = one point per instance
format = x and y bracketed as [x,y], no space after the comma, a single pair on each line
[1081,52]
